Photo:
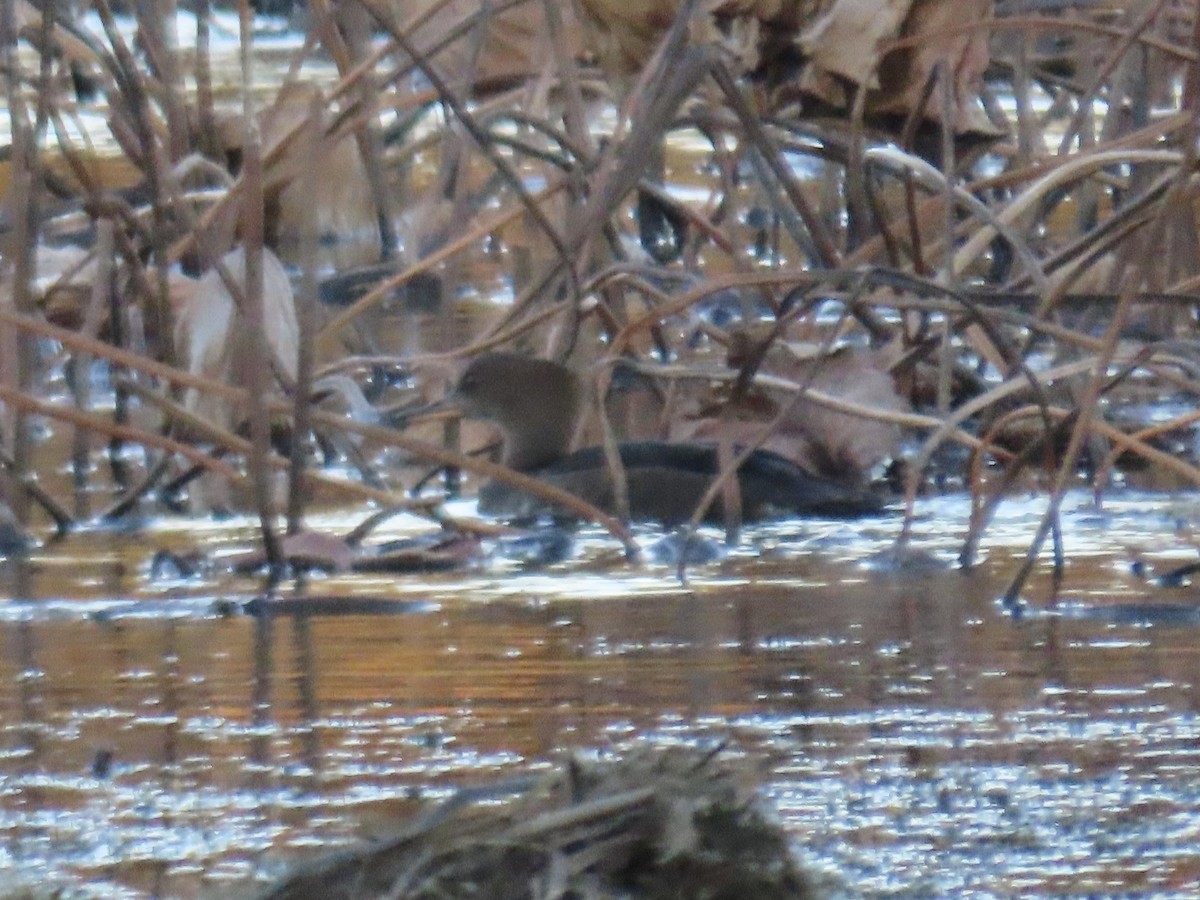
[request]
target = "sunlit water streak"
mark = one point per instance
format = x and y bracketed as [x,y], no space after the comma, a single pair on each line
[916,738]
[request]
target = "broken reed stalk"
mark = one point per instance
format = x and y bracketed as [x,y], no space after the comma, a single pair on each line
[131,109]
[574,114]
[823,253]
[63,520]
[1066,172]
[99,302]
[1123,442]
[1087,415]
[1134,272]
[227,441]
[28,403]
[158,34]
[650,109]
[254,341]
[598,389]
[462,114]
[206,119]
[346,84]
[916,169]
[25,180]
[469,238]
[354,26]
[1100,78]
[306,315]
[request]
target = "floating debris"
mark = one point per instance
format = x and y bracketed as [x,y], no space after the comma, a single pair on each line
[679,823]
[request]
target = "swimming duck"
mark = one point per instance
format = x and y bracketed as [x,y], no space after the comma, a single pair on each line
[536,404]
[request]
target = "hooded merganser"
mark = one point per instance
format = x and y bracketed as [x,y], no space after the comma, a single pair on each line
[536,404]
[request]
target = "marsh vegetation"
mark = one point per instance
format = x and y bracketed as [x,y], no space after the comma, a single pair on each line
[949,259]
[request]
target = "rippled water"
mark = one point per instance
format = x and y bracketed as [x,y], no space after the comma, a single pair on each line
[917,738]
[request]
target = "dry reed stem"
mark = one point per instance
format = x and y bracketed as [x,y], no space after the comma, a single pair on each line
[102,425]
[470,237]
[25,181]
[254,341]
[348,40]
[231,442]
[1123,443]
[1131,278]
[968,321]
[936,180]
[466,118]
[1083,103]
[1067,171]
[1084,424]
[306,314]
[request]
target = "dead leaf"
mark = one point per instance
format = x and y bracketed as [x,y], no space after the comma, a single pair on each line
[846,40]
[849,444]
[307,549]
[510,43]
[317,549]
[434,554]
[839,445]
[966,55]
[841,40]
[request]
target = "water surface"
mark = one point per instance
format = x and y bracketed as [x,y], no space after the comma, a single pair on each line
[917,738]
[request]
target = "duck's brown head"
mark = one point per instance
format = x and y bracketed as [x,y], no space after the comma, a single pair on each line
[534,402]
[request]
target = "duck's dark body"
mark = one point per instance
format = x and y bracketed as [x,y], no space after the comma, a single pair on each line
[536,403]
[666,481]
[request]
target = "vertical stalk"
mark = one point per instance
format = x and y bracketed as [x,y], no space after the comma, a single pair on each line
[260,370]
[348,39]
[207,136]
[135,94]
[306,310]
[22,247]
[81,367]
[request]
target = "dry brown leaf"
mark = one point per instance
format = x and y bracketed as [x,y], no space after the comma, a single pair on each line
[846,40]
[836,444]
[904,74]
[307,549]
[623,35]
[843,48]
[850,444]
[840,38]
[514,43]
[436,554]
[319,550]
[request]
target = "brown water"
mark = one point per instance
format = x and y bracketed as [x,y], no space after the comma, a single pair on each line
[918,739]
